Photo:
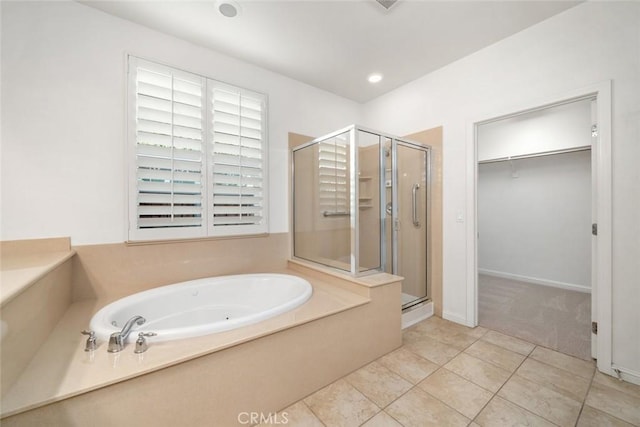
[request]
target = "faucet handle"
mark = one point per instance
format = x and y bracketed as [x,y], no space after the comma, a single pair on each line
[91,343]
[141,342]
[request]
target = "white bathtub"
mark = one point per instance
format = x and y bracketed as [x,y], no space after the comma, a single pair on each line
[203,306]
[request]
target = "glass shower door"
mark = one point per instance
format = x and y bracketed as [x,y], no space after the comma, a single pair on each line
[409,223]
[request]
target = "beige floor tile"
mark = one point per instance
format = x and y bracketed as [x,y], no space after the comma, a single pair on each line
[557,379]
[452,327]
[572,364]
[542,401]
[340,404]
[474,425]
[408,365]
[457,336]
[451,333]
[462,395]
[478,371]
[459,341]
[591,417]
[378,384]
[297,414]
[614,402]
[433,350]
[418,408]
[510,343]
[434,320]
[623,386]
[477,332]
[502,413]
[412,335]
[496,355]
[382,419]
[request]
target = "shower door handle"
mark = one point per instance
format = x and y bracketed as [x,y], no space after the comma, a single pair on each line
[414,201]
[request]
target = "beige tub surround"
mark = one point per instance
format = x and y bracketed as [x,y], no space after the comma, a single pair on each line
[24,262]
[112,271]
[261,367]
[35,284]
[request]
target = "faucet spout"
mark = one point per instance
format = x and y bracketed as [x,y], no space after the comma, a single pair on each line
[126,329]
[117,339]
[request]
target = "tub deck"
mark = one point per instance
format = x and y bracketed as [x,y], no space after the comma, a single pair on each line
[61,369]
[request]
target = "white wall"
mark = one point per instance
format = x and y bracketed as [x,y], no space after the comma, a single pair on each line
[590,43]
[556,128]
[536,225]
[63,117]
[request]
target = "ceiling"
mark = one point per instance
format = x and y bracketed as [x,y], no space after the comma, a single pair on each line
[335,45]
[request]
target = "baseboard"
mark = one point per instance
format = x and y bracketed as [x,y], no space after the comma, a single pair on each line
[417,314]
[535,280]
[625,374]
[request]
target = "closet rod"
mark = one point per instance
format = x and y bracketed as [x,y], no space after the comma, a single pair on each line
[543,153]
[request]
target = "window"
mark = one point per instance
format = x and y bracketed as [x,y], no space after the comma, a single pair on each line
[197,149]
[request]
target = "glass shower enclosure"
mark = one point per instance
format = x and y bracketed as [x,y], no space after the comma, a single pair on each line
[360,205]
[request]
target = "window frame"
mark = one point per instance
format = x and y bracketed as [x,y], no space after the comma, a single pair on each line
[207,229]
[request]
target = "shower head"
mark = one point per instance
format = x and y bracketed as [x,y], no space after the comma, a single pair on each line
[387,3]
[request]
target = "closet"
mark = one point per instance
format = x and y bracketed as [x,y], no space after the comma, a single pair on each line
[534,223]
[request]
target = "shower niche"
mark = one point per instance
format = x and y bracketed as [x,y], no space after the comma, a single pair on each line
[361,205]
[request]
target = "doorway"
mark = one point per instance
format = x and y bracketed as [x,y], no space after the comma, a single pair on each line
[407,168]
[535,206]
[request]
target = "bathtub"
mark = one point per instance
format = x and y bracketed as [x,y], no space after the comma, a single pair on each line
[203,306]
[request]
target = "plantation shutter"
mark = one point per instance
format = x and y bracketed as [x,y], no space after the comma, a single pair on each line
[333,176]
[238,160]
[197,150]
[169,133]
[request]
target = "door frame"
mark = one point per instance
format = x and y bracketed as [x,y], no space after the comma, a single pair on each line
[602,192]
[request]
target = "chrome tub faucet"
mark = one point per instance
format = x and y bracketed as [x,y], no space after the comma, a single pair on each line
[117,339]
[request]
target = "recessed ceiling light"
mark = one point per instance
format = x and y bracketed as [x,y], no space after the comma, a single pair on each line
[228,8]
[374,78]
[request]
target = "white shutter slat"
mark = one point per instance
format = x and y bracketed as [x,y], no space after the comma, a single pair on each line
[168,187]
[168,222]
[225,190]
[248,200]
[168,152]
[236,220]
[168,198]
[168,175]
[233,209]
[144,162]
[161,210]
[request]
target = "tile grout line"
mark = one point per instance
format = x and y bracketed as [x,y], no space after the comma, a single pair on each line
[313,413]
[443,367]
[498,391]
[599,410]
[585,396]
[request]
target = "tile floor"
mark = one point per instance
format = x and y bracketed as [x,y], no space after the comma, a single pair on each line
[448,375]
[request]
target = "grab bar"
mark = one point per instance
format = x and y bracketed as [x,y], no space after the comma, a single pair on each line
[414,200]
[327,213]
